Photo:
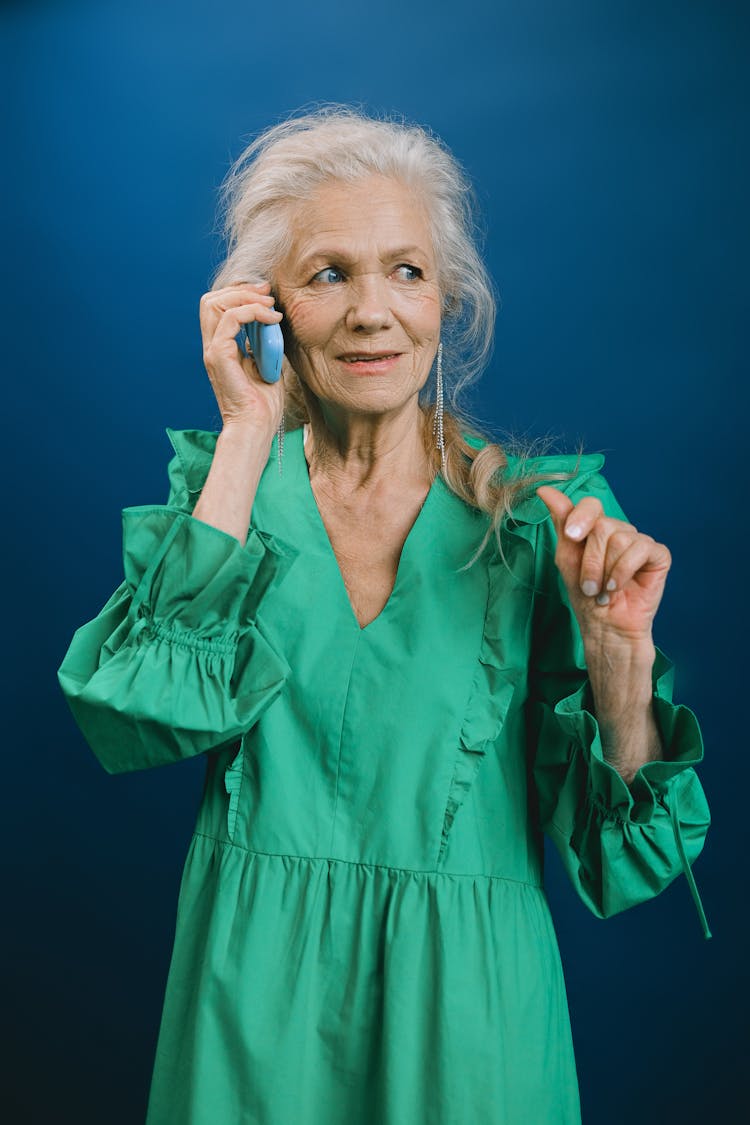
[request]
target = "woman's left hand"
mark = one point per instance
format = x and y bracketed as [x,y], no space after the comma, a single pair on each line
[594,551]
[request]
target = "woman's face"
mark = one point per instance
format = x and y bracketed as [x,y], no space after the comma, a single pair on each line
[360,280]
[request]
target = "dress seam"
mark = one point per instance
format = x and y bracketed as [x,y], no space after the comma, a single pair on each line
[341,736]
[361,863]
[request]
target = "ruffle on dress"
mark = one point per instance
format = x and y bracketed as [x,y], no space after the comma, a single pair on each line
[489,701]
[233,788]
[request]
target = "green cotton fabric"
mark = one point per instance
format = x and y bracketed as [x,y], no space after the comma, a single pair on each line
[362,929]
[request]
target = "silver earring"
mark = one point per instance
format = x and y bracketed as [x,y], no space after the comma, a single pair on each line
[437,422]
[280,442]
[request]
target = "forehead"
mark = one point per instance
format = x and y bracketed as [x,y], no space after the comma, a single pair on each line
[372,211]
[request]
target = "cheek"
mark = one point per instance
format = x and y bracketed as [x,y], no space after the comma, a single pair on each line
[422,313]
[308,321]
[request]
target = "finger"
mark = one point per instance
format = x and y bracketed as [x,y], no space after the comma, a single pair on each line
[643,555]
[229,297]
[232,319]
[618,545]
[580,520]
[592,562]
[212,305]
[567,553]
[259,286]
[556,502]
[217,301]
[238,313]
[239,290]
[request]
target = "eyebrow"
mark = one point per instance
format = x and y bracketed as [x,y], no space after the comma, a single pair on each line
[339,255]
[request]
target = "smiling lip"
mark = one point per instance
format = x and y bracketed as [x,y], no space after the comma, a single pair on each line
[375,364]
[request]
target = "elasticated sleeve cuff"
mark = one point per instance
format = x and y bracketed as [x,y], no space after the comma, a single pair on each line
[618,841]
[681,740]
[177,662]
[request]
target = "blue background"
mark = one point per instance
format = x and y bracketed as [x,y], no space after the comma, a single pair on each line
[608,143]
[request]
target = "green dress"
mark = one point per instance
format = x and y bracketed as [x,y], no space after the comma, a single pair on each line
[362,931]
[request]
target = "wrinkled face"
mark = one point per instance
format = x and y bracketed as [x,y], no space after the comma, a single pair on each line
[360,295]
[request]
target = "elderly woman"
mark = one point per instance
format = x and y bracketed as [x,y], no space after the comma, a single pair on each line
[404,657]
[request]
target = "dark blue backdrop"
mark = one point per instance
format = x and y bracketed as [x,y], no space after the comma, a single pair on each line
[606,140]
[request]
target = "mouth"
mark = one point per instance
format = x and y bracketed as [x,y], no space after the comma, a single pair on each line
[374,362]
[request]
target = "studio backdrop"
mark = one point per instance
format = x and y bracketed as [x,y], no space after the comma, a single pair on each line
[604,140]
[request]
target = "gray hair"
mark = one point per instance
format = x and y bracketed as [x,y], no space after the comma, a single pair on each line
[286,163]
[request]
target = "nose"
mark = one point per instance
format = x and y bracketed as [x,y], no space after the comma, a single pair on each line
[370,308]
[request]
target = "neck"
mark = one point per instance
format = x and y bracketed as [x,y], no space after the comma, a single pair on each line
[368,456]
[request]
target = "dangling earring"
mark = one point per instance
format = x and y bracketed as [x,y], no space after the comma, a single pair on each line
[437,422]
[280,440]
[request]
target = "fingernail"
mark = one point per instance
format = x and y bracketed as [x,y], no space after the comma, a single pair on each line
[611,585]
[574,531]
[603,599]
[590,587]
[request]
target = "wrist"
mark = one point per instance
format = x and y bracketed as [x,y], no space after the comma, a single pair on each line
[245,448]
[608,650]
[245,433]
[620,677]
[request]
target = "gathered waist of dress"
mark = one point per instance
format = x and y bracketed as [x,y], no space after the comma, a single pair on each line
[365,865]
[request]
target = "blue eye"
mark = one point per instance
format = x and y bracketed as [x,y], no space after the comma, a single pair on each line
[324,275]
[414,271]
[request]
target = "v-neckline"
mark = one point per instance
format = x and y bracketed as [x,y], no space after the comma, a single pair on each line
[434,492]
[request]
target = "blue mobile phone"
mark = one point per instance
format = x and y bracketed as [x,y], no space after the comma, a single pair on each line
[266,342]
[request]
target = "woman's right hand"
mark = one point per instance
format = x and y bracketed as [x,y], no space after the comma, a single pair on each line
[242,395]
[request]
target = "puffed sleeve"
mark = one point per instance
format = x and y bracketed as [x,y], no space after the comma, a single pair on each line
[176,662]
[620,844]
